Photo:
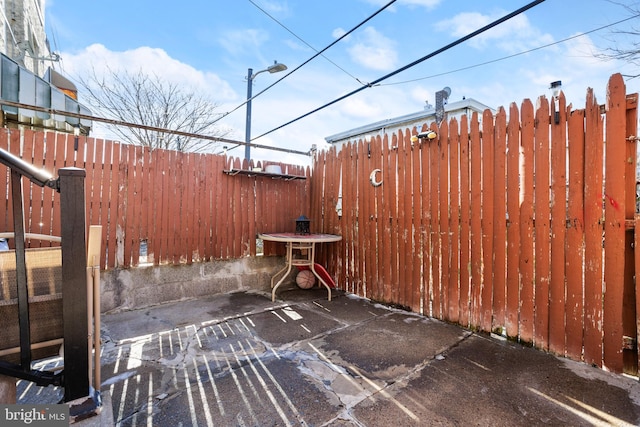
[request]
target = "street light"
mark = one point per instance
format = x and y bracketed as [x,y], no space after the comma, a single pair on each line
[275,68]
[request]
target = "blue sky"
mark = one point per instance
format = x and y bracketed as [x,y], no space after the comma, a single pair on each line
[208,45]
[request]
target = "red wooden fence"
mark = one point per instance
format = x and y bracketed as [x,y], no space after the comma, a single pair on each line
[499,224]
[181,205]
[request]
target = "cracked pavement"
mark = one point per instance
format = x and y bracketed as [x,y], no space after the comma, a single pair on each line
[241,360]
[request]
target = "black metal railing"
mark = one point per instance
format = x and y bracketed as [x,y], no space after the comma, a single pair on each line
[75,376]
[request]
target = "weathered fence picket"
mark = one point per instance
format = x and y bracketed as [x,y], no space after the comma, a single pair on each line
[520,223]
[513,223]
[180,206]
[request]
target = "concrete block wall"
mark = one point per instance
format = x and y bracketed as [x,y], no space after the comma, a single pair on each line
[133,288]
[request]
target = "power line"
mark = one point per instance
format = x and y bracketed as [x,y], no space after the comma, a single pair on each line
[215,139]
[308,60]
[424,58]
[145,127]
[513,55]
[303,41]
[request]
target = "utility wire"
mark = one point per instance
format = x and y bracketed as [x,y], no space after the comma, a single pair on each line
[424,58]
[513,55]
[308,60]
[303,41]
[145,127]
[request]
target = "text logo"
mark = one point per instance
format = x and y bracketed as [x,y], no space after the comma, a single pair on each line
[34,415]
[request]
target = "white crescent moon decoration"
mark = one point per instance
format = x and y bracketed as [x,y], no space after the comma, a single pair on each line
[373,180]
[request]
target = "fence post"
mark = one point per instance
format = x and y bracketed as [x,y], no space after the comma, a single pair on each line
[21,270]
[614,224]
[74,285]
[629,299]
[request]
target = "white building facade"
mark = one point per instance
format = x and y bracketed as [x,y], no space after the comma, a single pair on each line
[22,34]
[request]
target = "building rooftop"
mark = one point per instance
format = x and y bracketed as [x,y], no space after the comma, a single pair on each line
[463,106]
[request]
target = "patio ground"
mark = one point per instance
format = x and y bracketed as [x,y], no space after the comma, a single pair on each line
[241,360]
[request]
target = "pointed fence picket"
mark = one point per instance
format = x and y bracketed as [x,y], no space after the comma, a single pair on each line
[519,223]
[180,206]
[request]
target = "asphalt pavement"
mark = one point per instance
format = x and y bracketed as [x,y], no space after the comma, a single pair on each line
[241,360]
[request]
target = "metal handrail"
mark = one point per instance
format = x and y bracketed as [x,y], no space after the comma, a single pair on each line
[34,236]
[35,175]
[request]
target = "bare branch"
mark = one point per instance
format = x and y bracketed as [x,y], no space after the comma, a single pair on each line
[149,100]
[625,43]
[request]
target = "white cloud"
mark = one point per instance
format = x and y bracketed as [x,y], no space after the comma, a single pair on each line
[339,32]
[422,95]
[373,50]
[296,46]
[152,61]
[576,71]
[149,60]
[462,24]
[424,3]
[360,107]
[238,41]
[429,4]
[515,35]
[570,62]
[276,7]
[583,52]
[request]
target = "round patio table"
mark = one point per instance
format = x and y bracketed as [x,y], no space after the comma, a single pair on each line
[301,242]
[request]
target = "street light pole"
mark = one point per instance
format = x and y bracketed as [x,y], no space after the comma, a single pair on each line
[275,68]
[247,135]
